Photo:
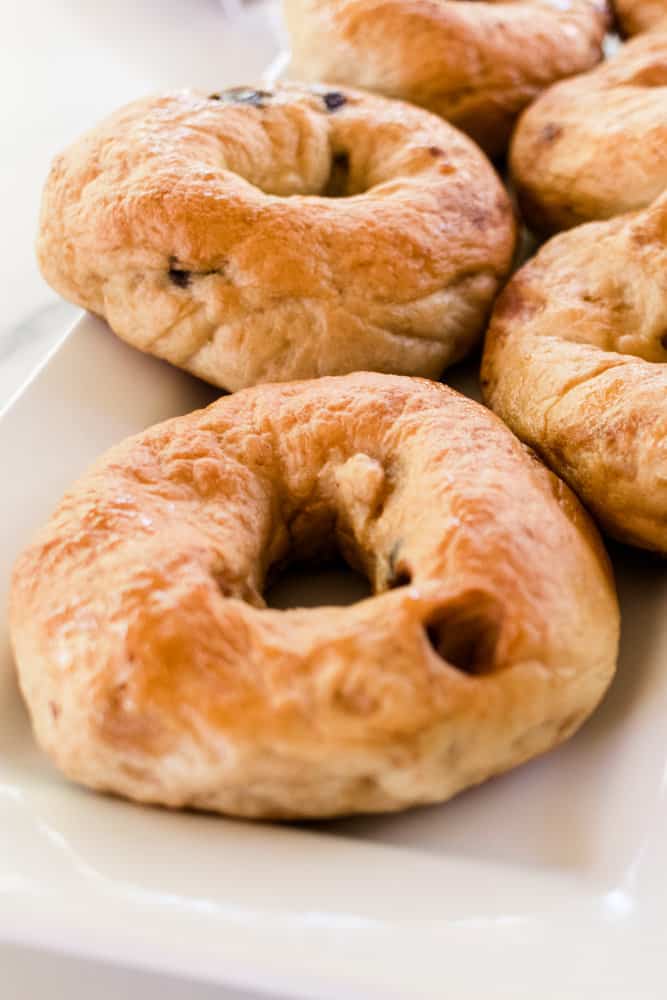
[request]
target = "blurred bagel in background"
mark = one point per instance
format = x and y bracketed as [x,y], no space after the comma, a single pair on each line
[477,64]
[595,146]
[636,16]
[575,363]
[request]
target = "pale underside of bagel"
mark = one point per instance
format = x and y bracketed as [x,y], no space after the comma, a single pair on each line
[153,669]
[252,237]
[594,147]
[475,64]
[575,362]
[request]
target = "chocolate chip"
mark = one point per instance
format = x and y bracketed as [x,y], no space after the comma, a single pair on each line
[179,277]
[400,579]
[550,132]
[436,151]
[393,555]
[243,95]
[334,100]
[399,575]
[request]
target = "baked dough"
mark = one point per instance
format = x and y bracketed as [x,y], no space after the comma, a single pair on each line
[152,668]
[575,364]
[477,64]
[253,236]
[594,147]
[636,16]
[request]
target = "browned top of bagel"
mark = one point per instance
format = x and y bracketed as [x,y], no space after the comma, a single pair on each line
[475,63]
[575,363]
[253,236]
[594,147]
[152,667]
[636,16]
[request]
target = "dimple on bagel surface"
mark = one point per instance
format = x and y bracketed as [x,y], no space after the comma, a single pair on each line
[575,362]
[152,667]
[594,147]
[253,236]
[477,64]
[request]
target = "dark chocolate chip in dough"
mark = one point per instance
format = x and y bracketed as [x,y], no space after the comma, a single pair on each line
[334,100]
[179,277]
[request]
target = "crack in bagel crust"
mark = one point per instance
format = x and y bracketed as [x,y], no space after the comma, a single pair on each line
[475,64]
[575,363]
[152,667]
[569,157]
[257,236]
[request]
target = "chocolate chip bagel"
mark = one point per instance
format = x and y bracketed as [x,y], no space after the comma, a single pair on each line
[594,147]
[477,64]
[576,363]
[249,236]
[153,669]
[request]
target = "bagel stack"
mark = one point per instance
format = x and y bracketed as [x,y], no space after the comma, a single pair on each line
[312,248]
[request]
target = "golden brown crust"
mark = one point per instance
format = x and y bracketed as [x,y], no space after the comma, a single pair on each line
[477,64]
[152,668]
[197,227]
[574,363]
[637,16]
[594,147]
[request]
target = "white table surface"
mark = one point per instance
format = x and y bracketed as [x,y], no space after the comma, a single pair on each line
[32,975]
[64,64]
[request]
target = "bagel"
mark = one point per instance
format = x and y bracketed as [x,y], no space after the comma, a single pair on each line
[153,669]
[574,363]
[475,64]
[208,231]
[594,147]
[636,16]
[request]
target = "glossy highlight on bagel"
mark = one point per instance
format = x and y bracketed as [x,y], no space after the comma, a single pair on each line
[575,363]
[594,147]
[153,669]
[477,64]
[250,236]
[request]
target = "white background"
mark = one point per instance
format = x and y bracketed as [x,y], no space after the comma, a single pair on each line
[64,64]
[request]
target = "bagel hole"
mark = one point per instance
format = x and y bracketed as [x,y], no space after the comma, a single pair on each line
[338,182]
[311,585]
[320,564]
[465,634]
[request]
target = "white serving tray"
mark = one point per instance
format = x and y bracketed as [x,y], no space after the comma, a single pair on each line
[548,882]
